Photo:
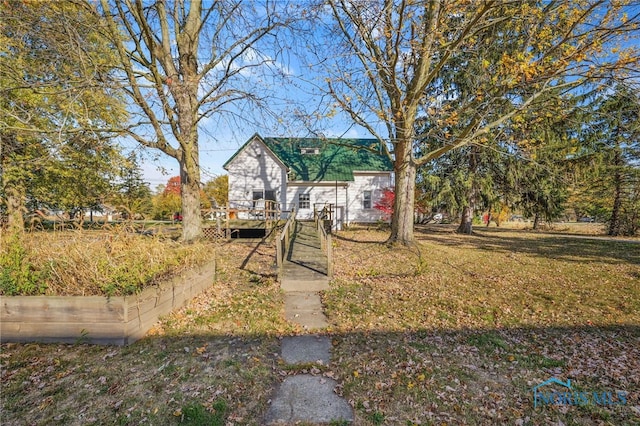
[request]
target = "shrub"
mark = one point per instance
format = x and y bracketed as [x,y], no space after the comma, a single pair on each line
[17,273]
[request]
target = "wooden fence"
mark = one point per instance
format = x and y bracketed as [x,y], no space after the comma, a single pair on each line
[96,319]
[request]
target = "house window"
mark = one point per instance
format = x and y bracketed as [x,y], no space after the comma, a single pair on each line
[260,196]
[304,201]
[366,200]
[267,194]
[309,151]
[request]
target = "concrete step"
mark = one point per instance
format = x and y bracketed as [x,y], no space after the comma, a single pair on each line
[305,309]
[304,285]
[307,398]
[306,349]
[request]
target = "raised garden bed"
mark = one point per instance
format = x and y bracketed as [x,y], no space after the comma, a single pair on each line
[117,320]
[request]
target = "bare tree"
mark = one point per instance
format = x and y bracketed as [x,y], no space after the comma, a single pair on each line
[461,65]
[184,61]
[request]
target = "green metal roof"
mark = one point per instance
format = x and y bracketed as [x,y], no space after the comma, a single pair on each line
[336,160]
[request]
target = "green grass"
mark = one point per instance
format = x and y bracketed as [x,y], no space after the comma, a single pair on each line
[487,342]
[197,415]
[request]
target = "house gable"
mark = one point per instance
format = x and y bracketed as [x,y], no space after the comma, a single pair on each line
[255,169]
[242,150]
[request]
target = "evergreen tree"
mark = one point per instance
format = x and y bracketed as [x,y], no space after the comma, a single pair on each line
[540,162]
[611,142]
[133,194]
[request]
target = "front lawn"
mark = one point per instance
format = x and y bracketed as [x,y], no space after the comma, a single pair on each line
[457,330]
[212,362]
[494,279]
[460,329]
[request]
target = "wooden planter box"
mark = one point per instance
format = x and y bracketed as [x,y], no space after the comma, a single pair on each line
[101,320]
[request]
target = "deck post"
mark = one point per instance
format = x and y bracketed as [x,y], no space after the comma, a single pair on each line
[227,223]
[329,246]
[286,240]
[279,254]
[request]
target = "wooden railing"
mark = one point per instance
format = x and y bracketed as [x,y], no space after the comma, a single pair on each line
[266,211]
[320,218]
[282,240]
[253,210]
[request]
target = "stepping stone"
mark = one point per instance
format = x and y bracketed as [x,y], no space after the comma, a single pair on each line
[307,398]
[305,309]
[306,349]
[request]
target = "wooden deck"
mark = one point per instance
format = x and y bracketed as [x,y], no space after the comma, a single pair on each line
[244,219]
[254,224]
[241,228]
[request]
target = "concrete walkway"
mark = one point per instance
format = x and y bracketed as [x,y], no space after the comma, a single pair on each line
[304,397]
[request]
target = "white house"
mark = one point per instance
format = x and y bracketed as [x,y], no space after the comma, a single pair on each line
[307,173]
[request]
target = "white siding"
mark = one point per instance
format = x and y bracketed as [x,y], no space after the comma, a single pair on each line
[318,194]
[256,168]
[375,183]
[349,194]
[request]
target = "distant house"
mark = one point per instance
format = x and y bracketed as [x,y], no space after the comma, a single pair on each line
[100,212]
[309,173]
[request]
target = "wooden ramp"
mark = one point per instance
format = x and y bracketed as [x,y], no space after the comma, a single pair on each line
[303,276]
[305,266]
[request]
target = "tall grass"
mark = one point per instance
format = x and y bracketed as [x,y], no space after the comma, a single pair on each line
[96,262]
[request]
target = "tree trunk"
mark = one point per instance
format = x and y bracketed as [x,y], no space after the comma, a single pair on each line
[190,189]
[15,207]
[404,200]
[14,195]
[536,221]
[12,185]
[189,158]
[466,222]
[614,224]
